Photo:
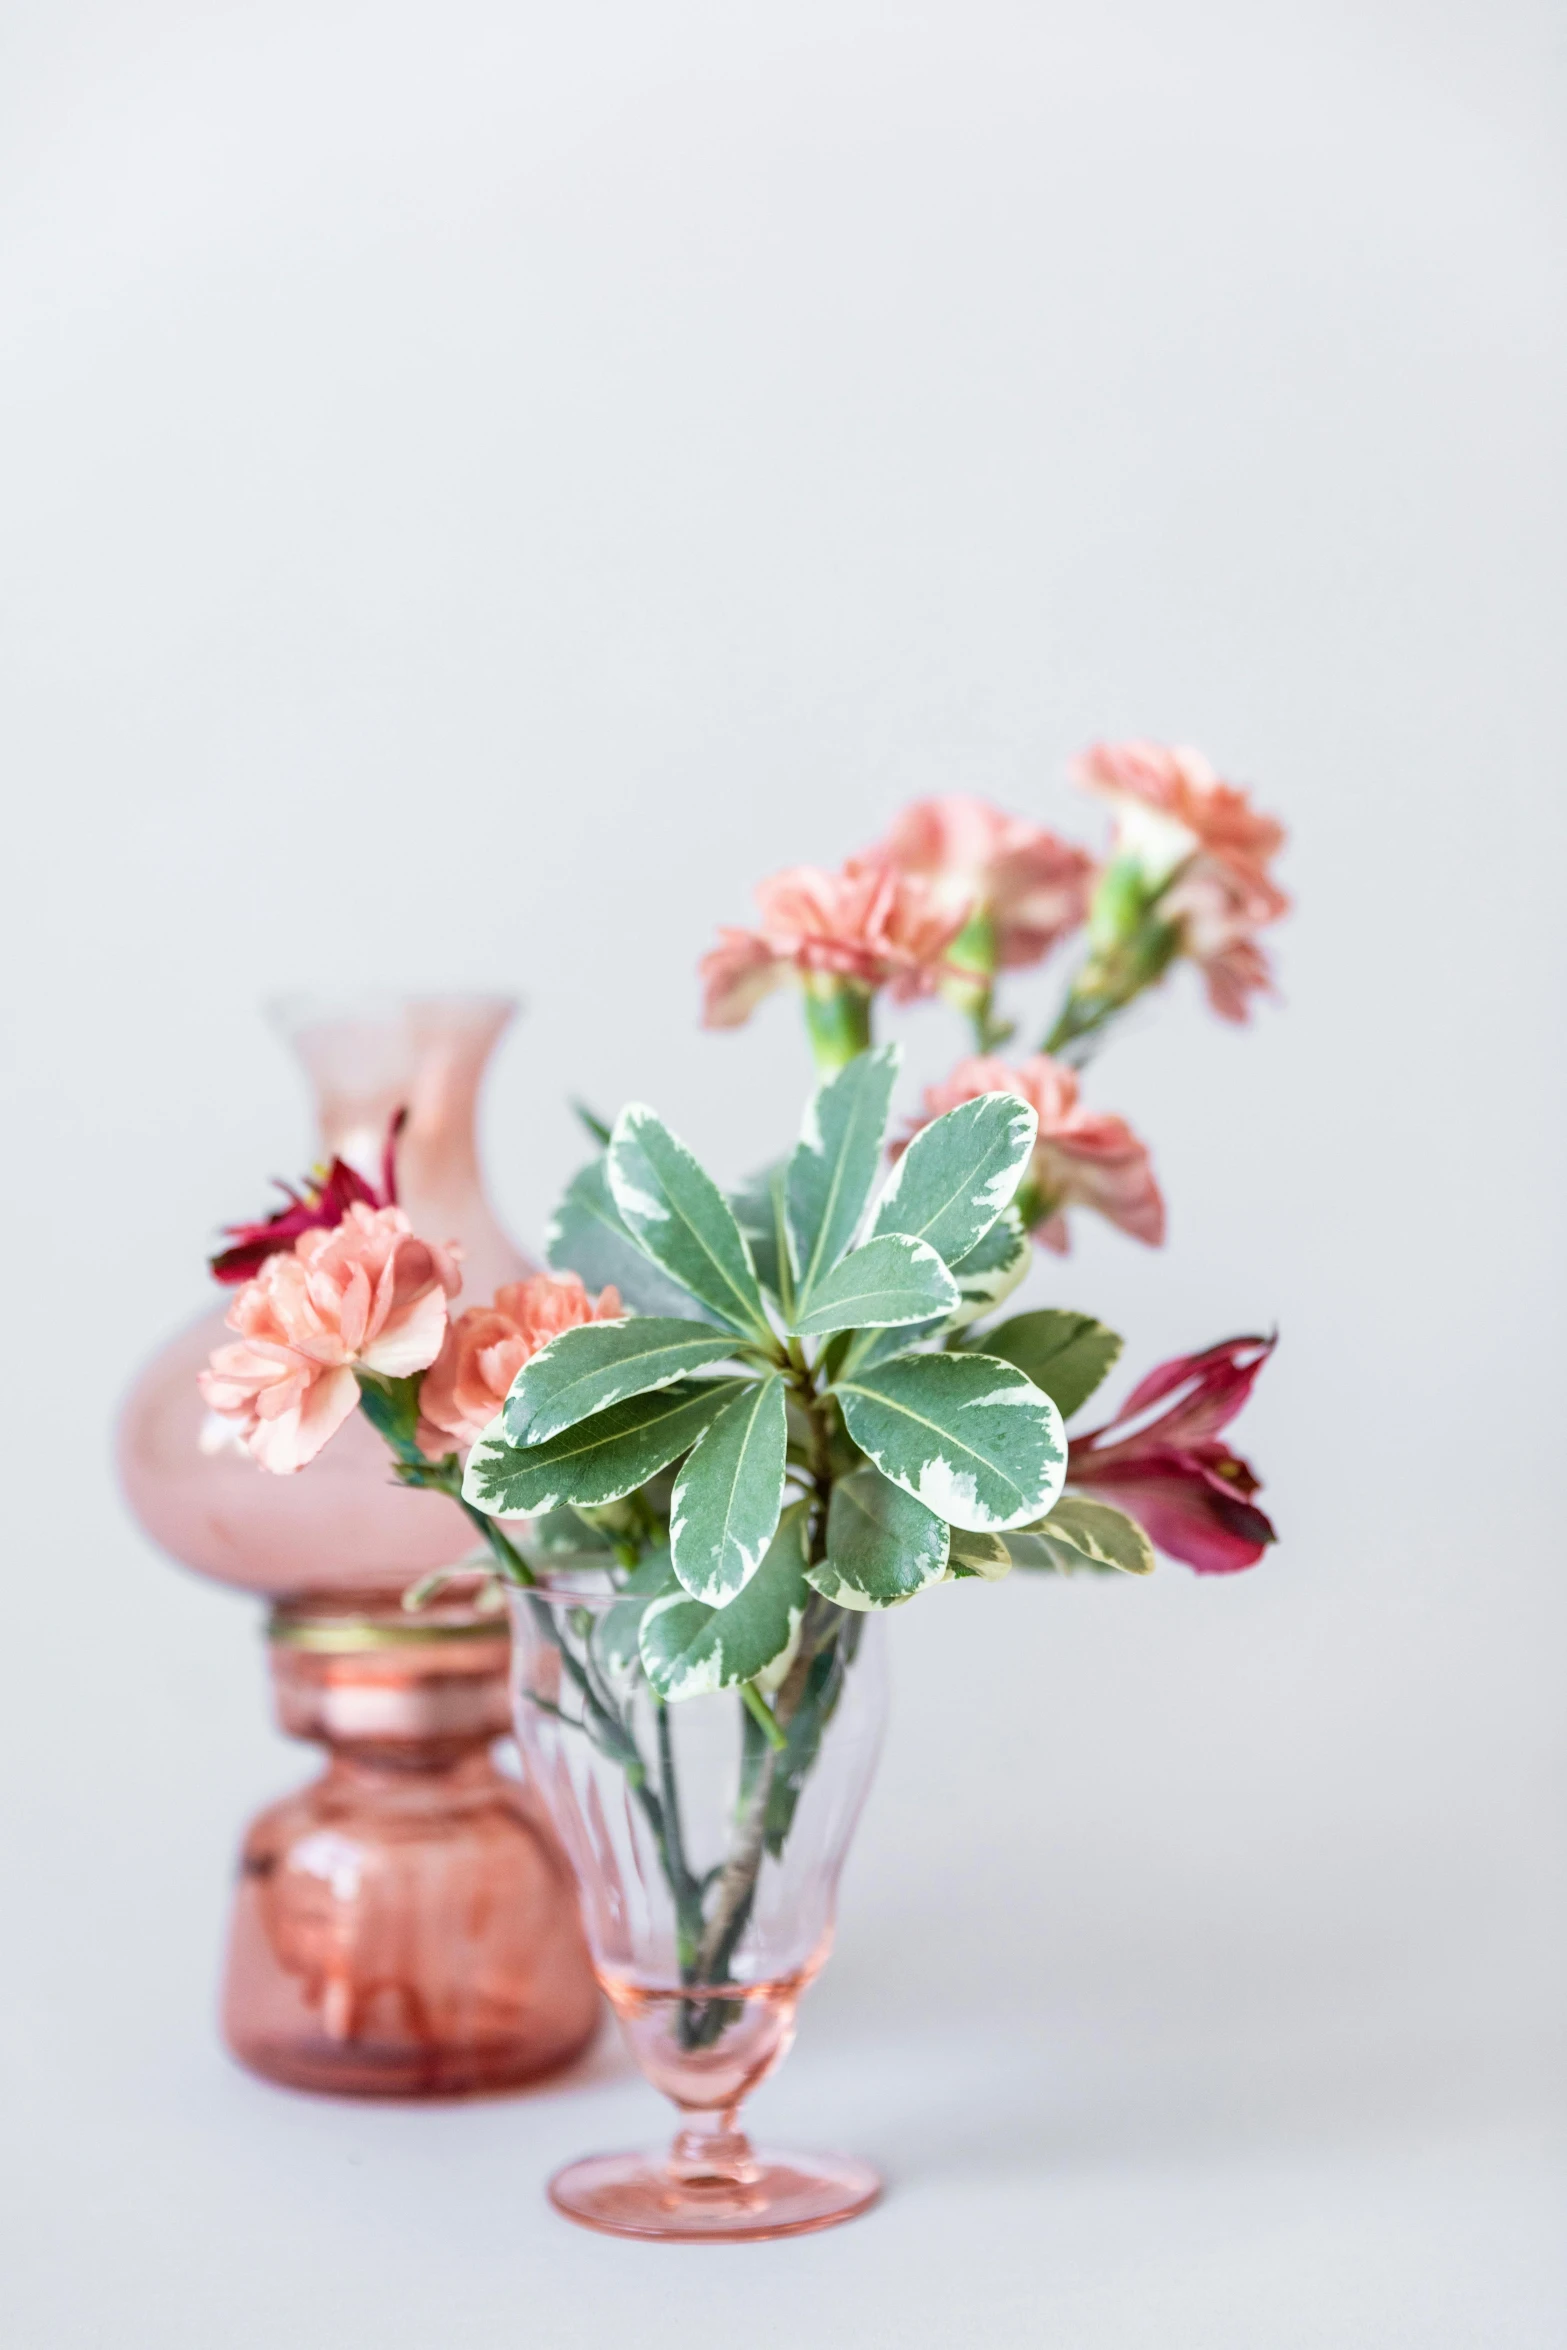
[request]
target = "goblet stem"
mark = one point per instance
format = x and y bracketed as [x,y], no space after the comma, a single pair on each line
[713,2151]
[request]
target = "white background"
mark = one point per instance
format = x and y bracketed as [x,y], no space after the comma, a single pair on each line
[483,484]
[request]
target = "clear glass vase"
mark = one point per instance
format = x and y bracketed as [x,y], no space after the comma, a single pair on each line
[707,1862]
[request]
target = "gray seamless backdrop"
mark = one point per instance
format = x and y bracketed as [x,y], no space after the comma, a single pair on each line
[482,485]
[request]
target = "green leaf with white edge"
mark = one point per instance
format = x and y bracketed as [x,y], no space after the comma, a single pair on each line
[985,1555]
[563,1534]
[759,1211]
[598,1460]
[882,1545]
[958,1173]
[1066,1354]
[724,1512]
[1081,1536]
[618,1630]
[586,1236]
[989,1273]
[879,1346]
[991,1270]
[888,1282]
[691,1650]
[675,1210]
[969,1436]
[596,1364]
[833,1165]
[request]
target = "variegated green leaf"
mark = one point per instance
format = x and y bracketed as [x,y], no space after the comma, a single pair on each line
[882,1545]
[834,1163]
[727,1497]
[618,1630]
[1084,1536]
[586,1236]
[599,1459]
[985,1555]
[969,1436]
[879,1346]
[889,1281]
[672,1206]
[759,1212]
[1065,1354]
[992,1270]
[691,1650]
[958,1174]
[597,1363]
[564,1533]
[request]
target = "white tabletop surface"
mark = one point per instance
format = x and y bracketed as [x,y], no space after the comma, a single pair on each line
[1117,2100]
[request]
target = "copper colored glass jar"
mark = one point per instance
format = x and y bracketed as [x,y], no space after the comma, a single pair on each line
[403,1926]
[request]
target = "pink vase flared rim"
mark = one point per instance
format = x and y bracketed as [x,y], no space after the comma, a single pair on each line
[295,1012]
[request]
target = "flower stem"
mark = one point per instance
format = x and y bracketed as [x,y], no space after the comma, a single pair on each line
[837,1020]
[761,1713]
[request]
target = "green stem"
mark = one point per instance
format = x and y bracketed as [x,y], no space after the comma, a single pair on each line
[990,1031]
[761,1713]
[837,1020]
[1131,947]
[672,1851]
[1081,1019]
[507,1556]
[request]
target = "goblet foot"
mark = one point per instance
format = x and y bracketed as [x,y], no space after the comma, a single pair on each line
[777,2195]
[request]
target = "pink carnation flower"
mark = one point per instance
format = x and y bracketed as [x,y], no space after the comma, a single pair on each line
[1204,838]
[867,924]
[370,1294]
[1082,1157]
[1033,885]
[487,1346]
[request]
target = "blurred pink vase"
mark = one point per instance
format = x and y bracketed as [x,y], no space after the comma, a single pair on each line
[441,1950]
[404,1926]
[342,1525]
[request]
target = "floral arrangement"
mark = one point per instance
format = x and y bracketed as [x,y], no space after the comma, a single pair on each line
[788,1404]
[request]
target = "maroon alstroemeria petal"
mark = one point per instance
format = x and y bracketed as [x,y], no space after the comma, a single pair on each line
[394,1135]
[1190,1494]
[1191,1508]
[1210,1389]
[320,1204]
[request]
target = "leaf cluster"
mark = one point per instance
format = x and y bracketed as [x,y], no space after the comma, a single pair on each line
[798,1382]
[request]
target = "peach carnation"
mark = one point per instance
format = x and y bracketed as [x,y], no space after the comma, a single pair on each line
[487,1346]
[867,924]
[1204,842]
[370,1294]
[1082,1157]
[1033,885]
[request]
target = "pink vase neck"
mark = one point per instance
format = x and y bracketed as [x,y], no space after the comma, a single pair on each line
[426,1056]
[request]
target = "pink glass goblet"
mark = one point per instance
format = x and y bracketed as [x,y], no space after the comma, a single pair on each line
[707,1861]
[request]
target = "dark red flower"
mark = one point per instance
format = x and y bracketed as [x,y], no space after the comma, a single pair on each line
[320,1204]
[1189,1493]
